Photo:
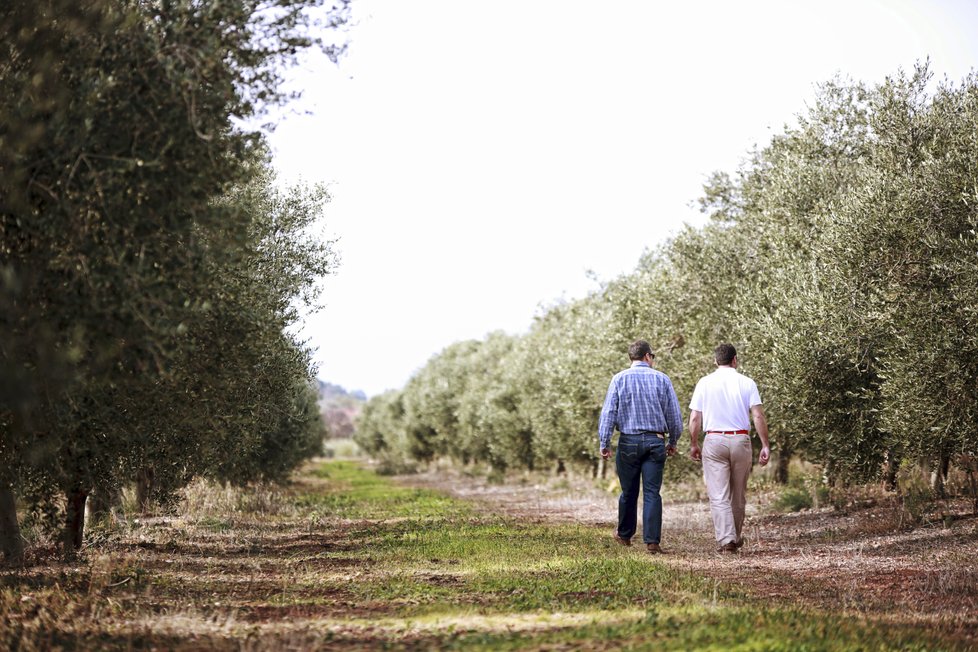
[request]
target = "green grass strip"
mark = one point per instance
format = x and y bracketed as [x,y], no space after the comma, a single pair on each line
[433,559]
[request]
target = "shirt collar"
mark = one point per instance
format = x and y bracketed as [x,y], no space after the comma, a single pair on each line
[640,363]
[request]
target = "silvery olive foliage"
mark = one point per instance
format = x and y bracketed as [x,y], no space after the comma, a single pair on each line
[149,266]
[841,258]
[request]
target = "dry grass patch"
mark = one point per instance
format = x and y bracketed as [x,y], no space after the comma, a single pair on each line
[343,559]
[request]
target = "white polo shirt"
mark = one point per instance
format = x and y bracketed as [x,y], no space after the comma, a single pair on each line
[725,398]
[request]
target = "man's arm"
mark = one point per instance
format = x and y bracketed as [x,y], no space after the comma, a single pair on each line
[695,425]
[608,420]
[760,423]
[674,419]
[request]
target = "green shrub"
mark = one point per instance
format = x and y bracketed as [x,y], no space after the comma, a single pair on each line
[793,499]
[916,496]
[803,492]
[394,463]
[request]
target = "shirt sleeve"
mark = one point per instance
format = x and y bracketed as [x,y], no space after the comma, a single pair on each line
[696,403]
[755,396]
[609,416]
[674,418]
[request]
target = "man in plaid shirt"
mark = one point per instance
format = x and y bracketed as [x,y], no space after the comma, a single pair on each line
[642,405]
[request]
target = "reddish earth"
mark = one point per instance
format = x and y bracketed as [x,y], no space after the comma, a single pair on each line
[862,559]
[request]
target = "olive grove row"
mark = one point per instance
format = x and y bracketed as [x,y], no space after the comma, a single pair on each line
[150,267]
[841,259]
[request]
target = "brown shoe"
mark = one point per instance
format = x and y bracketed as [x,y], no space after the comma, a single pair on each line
[623,541]
[739,544]
[727,547]
[653,548]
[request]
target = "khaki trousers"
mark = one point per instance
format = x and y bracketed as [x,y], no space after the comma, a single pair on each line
[727,461]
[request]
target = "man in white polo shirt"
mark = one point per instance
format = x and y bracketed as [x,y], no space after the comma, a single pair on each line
[724,402]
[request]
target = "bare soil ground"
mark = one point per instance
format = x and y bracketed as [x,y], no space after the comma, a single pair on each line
[278,578]
[865,558]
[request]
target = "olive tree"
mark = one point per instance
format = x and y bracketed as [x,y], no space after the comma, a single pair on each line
[905,247]
[489,415]
[121,132]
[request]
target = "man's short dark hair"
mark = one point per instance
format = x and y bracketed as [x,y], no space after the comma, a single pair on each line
[724,354]
[639,349]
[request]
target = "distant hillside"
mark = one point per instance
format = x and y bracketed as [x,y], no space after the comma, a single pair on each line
[340,408]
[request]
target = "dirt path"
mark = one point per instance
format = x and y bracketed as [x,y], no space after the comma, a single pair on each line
[291,568]
[860,560]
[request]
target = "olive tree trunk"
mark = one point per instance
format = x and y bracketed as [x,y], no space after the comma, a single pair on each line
[781,469]
[939,477]
[145,482]
[973,486]
[102,501]
[892,468]
[11,543]
[74,532]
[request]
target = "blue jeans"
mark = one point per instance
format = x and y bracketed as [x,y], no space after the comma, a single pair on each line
[640,457]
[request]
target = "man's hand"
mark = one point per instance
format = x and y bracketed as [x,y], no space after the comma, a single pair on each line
[695,453]
[670,450]
[764,456]
[606,453]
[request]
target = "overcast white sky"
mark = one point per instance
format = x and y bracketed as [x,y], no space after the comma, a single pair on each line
[484,155]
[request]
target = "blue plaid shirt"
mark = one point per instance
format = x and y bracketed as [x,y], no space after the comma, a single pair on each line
[640,399]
